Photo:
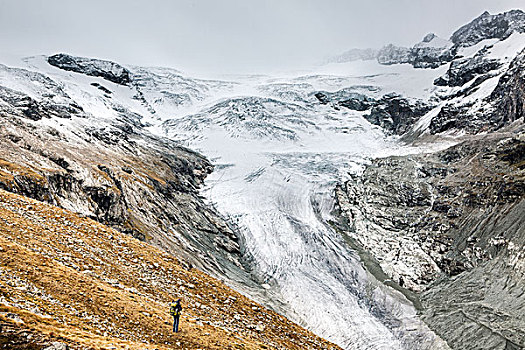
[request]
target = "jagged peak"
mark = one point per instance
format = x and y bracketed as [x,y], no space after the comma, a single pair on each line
[432,40]
[484,14]
[487,26]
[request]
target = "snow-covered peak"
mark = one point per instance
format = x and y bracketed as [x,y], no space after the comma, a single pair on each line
[434,41]
[433,51]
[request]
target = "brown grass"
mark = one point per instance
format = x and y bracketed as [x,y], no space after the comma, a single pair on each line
[74,279]
[8,170]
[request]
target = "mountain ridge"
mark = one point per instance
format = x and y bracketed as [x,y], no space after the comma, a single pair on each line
[433,51]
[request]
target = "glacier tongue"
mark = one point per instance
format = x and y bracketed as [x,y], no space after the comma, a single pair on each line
[279,193]
[279,154]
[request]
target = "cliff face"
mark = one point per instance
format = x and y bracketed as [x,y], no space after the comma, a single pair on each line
[502,106]
[449,226]
[508,98]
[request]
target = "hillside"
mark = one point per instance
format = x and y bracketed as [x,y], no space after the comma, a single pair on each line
[69,279]
[104,165]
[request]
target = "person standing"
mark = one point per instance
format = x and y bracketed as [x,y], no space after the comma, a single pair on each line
[175,309]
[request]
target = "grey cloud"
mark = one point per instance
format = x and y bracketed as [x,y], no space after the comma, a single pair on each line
[227,35]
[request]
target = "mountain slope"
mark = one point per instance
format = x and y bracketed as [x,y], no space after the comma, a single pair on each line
[446,227]
[449,225]
[73,279]
[108,167]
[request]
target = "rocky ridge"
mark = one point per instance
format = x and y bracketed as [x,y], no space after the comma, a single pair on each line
[433,51]
[487,26]
[469,97]
[108,70]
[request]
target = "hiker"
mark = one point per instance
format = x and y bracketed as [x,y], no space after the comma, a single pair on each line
[175,310]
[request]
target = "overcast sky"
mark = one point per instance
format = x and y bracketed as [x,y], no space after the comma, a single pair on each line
[227,35]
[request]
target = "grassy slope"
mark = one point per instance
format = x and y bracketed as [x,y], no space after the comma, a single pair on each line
[73,279]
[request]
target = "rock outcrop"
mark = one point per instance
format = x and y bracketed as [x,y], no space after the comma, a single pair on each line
[503,106]
[464,70]
[348,99]
[394,113]
[108,70]
[29,108]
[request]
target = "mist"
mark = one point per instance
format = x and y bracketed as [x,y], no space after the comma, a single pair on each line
[226,36]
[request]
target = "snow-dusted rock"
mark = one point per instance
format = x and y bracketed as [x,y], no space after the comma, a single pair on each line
[508,98]
[432,52]
[57,346]
[108,70]
[391,54]
[463,70]
[488,26]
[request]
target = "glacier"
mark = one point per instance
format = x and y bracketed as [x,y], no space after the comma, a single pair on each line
[277,164]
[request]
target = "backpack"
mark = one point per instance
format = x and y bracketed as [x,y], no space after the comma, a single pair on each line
[174,310]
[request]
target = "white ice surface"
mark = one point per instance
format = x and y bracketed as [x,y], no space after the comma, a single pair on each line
[403,79]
